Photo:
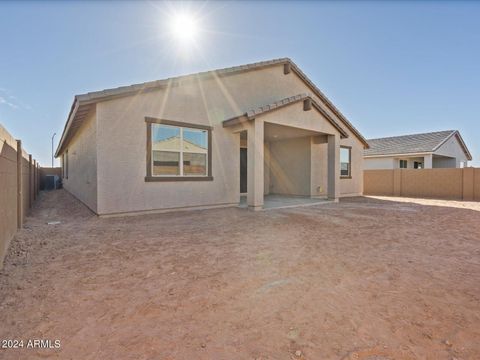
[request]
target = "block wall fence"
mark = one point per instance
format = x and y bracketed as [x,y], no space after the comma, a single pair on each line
[449,184]
[19,187]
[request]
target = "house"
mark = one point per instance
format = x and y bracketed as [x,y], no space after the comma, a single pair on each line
[440,149]
[202,140]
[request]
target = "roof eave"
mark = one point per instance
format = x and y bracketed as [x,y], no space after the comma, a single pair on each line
[71,115]
[328,103]
[282,104]
[94,97]
[399,154]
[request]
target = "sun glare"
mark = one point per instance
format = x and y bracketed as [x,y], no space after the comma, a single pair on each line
[184,27]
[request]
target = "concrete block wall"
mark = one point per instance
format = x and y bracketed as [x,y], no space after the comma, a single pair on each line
[19,188]
[453,183]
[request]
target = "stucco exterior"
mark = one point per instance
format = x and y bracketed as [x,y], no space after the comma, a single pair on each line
[289,169]
[82,178]
[107,158]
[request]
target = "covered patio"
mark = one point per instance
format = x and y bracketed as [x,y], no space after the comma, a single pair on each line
[289,154]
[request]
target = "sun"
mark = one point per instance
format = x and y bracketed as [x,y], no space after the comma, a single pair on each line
[184,27]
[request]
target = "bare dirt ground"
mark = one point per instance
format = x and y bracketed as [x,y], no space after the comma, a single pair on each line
[362,279]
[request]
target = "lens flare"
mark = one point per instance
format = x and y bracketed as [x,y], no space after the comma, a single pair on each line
[184,27]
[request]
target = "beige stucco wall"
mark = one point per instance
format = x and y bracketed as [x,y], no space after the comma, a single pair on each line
[82,163]
[122,160]
[319,166]
[289,169]
[121,140]
[266,170]
[312,120]
[354,185]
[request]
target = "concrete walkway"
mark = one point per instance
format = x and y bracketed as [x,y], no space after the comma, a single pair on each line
[276,201]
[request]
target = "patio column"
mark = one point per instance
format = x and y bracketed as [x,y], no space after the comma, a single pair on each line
[255,165]
[333,167]
[427,161]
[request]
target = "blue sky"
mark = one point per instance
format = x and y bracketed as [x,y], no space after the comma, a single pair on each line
[391,67]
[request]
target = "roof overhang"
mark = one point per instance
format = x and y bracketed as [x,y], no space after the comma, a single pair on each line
[308,104]
[78,113]
[398,155]
[86,101]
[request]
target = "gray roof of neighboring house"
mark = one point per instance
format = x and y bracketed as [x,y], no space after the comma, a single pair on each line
[82,103]
[411,144]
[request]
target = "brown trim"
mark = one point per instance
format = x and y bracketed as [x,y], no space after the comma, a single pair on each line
[150,177]
[307,104]
[149,150]
[210,154]
[177,178]
[153,120]
[349,176]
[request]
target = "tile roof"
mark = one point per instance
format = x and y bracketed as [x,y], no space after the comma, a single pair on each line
[251,114]
[127,90]
[409,144]
[265,108]
[83,102]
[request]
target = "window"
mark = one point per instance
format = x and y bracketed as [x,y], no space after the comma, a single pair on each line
[403,164]
[177,151]
[345,162]
[417,165]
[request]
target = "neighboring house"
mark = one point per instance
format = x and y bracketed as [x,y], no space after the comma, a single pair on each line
[184,142]
[441,149]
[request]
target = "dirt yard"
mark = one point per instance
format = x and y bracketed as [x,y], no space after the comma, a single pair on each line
[362,279]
